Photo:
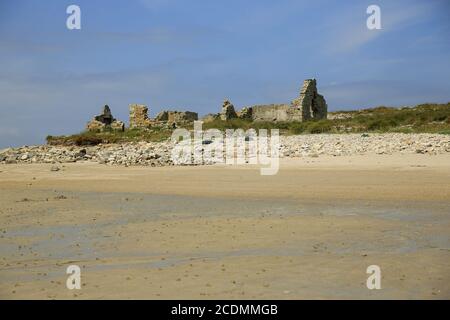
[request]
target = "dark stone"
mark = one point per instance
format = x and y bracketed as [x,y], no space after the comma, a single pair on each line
[106,116]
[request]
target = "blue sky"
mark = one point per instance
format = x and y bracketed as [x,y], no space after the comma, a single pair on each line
[190,55]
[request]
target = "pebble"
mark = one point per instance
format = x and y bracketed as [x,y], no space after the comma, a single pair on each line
[158,154]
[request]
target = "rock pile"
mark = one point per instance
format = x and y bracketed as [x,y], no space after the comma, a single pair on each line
[159,153]
[358,144]
[142,153]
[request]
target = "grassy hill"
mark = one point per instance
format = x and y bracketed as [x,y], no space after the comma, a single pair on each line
[424,118]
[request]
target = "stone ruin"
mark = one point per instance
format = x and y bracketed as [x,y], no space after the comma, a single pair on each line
[105,121]
[245,113]
[179,117]
[228,111]
[310,105]
[176,116]
[276,113]
[139,117]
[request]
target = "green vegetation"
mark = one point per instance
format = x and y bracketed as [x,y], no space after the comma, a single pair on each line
[88,138]
[425,118]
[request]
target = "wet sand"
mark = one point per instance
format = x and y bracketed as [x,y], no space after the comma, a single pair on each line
[215,232]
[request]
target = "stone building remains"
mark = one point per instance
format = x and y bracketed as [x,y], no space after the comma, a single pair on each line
[105,121]
[228,111]
[139,117]
[310,105]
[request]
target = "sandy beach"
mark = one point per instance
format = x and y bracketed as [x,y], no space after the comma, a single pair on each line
[226,232]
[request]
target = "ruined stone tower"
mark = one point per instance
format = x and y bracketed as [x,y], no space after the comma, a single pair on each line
[228,111]
[310,102]
[139,116]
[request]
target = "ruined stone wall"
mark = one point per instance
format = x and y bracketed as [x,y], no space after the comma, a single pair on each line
[320,108]
[139,116]
[311,103]
[181,116]
[275,113]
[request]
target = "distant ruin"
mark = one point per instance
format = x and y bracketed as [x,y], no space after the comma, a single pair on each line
[139,117]
[105,121]
[310,105]
[228,111]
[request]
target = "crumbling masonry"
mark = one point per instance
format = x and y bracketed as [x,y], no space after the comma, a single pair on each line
[105,121]
[310,105]
[139,117]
